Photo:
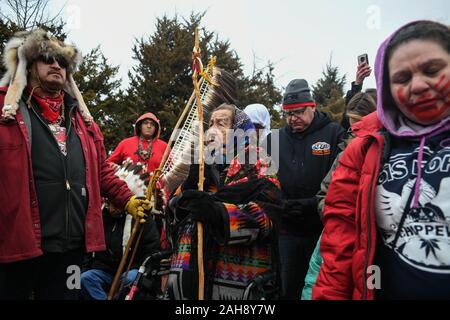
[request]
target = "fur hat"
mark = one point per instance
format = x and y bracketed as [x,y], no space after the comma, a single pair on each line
[297,95]
[21,51]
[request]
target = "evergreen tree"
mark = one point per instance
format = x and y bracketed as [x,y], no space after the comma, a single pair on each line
[161,81]
[101,92]
[334,106]
[331,80]
[260,88]
[329,90]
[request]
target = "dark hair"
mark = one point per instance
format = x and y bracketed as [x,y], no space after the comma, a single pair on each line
[423,30]
[373,93]
[361,105]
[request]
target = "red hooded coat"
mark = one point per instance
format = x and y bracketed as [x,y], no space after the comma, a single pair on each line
[127,148]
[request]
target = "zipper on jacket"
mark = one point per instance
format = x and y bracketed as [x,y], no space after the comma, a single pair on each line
[67,182]
[369,230]
[67,172]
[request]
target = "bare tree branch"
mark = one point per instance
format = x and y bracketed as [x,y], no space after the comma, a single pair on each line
[28,14]
[25,13]
[33,14]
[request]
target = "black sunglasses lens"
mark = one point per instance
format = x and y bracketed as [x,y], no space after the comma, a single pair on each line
[50,60]
[46,59]
[62,62]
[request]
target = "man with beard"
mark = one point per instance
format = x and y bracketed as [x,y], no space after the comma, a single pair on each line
[53,172]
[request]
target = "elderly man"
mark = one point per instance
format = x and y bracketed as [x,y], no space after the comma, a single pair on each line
[236,210]
[53,172]
[308,147]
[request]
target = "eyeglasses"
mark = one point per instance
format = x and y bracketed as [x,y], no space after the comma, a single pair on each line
[297,113]
[63,63]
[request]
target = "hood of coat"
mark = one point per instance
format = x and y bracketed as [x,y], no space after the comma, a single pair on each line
[389,115]
[151,116]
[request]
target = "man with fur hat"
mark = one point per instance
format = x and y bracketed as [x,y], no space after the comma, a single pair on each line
[53,172]
[145,147]
[308,147]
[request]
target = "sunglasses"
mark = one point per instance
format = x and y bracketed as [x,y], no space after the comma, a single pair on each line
[289,114]
[63,63]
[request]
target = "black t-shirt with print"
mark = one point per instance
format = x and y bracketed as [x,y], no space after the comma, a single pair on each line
[417,266]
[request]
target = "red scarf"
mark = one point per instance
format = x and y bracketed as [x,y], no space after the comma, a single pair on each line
[50,107]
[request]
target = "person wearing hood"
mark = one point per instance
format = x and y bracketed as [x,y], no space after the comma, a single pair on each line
[260,117]
[308,145]
[145,146]
[387,211]
[53,171]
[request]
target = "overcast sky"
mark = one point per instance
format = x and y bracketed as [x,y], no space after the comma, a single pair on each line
[298,36]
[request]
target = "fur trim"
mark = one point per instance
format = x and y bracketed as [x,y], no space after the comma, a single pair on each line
[12,98]
[40,43]
[75,92]
[21,51]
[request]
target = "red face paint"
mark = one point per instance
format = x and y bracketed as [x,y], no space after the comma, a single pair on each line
[443,87]
[441,80]
[401,96]
[428,107]
[427,111]
[443,91]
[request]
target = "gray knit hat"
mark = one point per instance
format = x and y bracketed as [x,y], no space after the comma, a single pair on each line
[297,94]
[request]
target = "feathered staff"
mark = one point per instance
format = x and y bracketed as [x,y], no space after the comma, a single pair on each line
[149,194]
[197,69]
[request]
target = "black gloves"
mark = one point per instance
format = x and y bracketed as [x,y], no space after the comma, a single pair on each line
[203,208]
[297,210]
[191,182]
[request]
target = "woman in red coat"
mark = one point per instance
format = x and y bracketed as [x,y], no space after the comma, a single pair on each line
[387,212]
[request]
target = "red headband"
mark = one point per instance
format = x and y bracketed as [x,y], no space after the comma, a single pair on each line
[297,105]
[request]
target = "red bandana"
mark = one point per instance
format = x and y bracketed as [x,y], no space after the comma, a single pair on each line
[50,107]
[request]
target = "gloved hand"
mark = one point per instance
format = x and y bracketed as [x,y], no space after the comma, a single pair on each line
[136,207]
[201,204]
[173,212]
[295,209]
[191,181]
[203,208]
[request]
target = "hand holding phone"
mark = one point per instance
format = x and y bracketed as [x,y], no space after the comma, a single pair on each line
[363,70]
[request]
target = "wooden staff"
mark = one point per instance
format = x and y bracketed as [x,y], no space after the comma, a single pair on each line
[112,291]
[197,69]
[151,187]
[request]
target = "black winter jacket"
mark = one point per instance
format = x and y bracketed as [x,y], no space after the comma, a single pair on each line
[305,159]
[60,183]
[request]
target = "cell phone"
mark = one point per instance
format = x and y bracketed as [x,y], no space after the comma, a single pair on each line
[364,58]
